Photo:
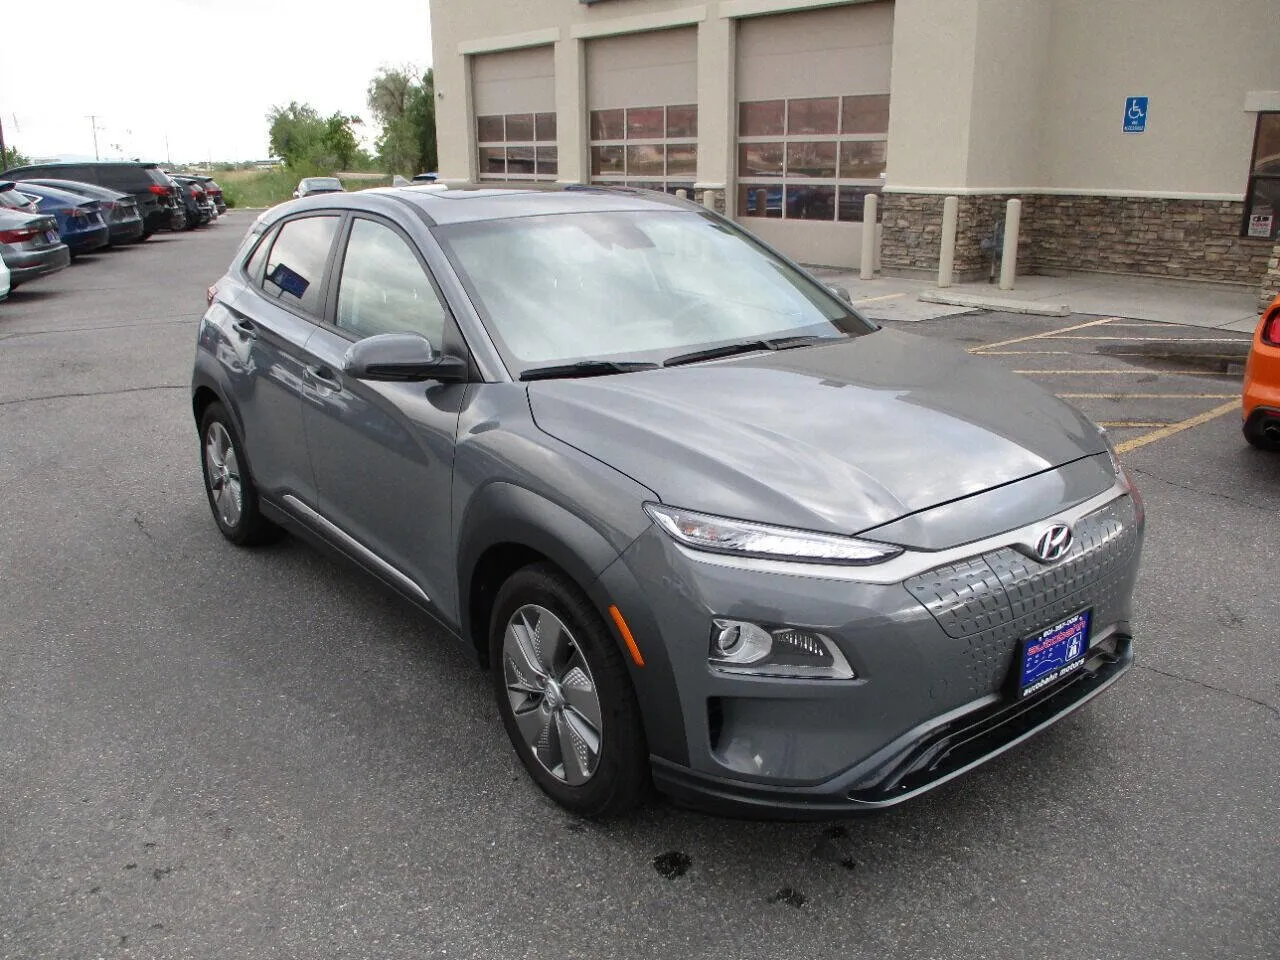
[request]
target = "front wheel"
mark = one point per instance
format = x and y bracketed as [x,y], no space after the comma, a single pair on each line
[564,694]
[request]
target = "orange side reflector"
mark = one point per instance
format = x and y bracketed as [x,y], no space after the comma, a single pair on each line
[636,655]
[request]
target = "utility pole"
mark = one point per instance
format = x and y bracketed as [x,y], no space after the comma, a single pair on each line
[4,154]
[93,121]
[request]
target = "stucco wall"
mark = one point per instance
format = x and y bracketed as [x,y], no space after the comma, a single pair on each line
[1195,59]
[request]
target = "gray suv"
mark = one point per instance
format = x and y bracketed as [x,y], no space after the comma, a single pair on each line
[710,529]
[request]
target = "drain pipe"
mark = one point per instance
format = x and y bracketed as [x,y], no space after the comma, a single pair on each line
[947,256]
[1009,256]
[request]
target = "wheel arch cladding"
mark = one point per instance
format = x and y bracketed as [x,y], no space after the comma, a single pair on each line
[507,527]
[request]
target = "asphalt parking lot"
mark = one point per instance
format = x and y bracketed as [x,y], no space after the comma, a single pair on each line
[209,752]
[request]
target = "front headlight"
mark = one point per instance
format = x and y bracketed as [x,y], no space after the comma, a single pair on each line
[743,538]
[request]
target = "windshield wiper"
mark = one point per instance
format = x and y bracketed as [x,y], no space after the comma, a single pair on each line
[585,368]
[746,346]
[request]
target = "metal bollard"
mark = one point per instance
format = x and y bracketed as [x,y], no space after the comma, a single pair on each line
[869,236]
[1009,256]
[947,255]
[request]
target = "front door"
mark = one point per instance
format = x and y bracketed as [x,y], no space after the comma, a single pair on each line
[382,453]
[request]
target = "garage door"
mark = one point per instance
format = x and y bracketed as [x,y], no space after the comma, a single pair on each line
[514,96]
[813,122]
[642,91]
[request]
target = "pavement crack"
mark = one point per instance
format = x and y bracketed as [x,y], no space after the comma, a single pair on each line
[1270,708]
[1194,489]
[96,393]
[141,322]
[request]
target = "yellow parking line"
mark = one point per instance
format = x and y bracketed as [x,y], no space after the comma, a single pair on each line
[1146,396]
[1173,428]
[1041,336]
[1119,373]
[1240,339]
[887,296]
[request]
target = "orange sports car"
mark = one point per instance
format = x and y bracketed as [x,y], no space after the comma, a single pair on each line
[1262,383]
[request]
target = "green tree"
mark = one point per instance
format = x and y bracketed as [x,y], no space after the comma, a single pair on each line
[13,157]
[302,137]
[295,132]
[403,103]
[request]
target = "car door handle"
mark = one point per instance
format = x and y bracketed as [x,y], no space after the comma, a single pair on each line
[245,328]
[324,376]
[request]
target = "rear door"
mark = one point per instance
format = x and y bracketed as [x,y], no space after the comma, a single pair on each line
[383,452]
[272,317]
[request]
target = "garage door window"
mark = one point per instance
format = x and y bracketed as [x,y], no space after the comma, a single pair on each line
[517,146]
[1262,202]
[811,158]
[651,147]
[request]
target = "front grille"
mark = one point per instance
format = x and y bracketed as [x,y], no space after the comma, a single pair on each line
[991,601]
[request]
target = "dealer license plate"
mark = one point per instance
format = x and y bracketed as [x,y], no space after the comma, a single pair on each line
[1053,654]
[51,236]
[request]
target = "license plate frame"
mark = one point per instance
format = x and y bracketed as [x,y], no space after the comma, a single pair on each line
[1053,654]
[51,236]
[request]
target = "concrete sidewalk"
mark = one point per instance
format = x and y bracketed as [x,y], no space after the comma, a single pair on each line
[1217,306]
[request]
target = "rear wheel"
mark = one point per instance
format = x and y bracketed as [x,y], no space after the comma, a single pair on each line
[1263,432]
[564,694]
[233,498]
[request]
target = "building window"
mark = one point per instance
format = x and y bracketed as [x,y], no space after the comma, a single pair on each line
[814,158]
[651,147]
[517,146]
[1262,201]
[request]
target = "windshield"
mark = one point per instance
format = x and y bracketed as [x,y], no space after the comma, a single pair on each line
[635,286]
[323,183]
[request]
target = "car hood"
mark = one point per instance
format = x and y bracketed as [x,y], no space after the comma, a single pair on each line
[840,437]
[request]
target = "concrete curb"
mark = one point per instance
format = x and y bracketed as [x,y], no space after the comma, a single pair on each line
[996,303]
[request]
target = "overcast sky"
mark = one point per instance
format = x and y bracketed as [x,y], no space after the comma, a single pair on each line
[204,73]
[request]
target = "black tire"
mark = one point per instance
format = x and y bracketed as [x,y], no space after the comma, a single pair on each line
[620,780]
[1254,434]
[246,527]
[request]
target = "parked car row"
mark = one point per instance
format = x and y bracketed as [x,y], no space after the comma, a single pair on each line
[52,212]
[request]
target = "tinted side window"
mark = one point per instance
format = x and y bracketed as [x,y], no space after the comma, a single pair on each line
[253,269]
[295,265]
[384,289]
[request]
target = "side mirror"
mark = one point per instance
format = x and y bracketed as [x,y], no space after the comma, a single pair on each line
[841,291]
[401,358]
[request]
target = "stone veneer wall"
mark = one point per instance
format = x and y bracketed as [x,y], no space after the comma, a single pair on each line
[1189,239]
[1269,289]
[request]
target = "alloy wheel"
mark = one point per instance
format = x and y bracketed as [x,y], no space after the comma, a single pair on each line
[552,693]
[223,469]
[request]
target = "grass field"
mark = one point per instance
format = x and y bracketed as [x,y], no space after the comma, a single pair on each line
[263,188]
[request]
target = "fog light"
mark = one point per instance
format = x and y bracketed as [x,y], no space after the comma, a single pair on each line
[739,646]
[734,641]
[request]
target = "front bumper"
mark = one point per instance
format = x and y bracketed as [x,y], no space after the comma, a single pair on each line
[932,639]
[919,761]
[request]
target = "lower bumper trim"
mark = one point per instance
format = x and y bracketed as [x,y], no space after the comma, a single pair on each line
[938,756]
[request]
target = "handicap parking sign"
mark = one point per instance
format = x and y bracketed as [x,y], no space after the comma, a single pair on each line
[1135,114]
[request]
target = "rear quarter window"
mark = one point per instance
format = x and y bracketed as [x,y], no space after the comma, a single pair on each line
[295,265]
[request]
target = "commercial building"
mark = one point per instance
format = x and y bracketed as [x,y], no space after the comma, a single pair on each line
[1143,136]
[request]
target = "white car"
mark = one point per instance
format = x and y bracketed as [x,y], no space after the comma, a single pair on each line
[4,280]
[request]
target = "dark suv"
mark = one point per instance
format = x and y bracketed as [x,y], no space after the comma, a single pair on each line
[157,195]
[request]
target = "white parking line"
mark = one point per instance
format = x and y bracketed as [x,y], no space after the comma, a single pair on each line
[1040,336]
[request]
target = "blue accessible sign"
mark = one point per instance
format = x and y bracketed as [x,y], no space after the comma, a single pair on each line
[1135,114]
